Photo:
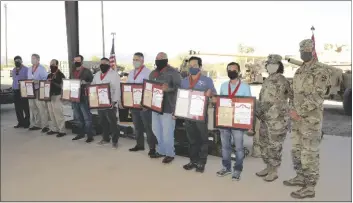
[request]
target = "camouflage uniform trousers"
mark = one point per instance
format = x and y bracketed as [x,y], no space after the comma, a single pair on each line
[256,148]
[306,138]
[272,136]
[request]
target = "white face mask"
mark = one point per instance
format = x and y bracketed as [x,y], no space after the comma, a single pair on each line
[137,64]
[272,68]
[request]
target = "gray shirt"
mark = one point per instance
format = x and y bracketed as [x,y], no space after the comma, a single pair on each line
[173,78]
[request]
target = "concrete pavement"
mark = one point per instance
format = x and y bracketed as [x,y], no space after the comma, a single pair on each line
[36,167]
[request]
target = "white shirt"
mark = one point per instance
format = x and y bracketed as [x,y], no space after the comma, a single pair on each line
[144,74]
[113,79]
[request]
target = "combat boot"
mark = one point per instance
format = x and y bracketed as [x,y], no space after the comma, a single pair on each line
[305,192]
[256,151]
[272,174]
[296,181]
[263,172]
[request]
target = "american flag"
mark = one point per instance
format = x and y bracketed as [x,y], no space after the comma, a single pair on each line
[112,59]
[314,50]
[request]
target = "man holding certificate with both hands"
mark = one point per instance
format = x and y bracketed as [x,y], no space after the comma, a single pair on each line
[197,132]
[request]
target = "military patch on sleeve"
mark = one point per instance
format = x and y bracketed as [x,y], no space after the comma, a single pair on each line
[324,78]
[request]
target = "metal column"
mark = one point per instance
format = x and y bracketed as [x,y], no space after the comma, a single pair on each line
[72,23]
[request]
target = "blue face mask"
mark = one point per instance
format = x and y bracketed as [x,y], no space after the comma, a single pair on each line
[194,71]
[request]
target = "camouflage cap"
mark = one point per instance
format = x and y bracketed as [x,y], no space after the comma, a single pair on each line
[274,59]
[306,45]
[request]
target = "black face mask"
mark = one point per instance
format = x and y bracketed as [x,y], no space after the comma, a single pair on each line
[18,64]
[306,56]
[161,63]
[78,64]
[104,67]
[232,74]
[53,69]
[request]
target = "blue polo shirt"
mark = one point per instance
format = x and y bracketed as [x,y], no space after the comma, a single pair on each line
[203,84]
[244,89]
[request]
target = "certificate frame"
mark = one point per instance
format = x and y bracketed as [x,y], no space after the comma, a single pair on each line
[99,86]
[71,99]
[44,82]
[20,82]
[154,84]
[237,99]
[133,86]
[203,118]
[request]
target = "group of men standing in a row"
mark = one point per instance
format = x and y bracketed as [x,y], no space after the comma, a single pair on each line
[273,110]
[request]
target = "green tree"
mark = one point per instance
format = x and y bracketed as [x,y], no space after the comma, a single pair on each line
[95,58]
[243,49]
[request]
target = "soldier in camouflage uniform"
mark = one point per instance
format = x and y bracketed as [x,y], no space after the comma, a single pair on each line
[310,84]
[273,113]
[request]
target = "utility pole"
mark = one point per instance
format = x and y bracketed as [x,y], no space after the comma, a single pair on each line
[103,28]
[5,6]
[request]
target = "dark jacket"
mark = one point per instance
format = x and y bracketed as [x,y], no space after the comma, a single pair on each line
[85,75]
[56,82]
[173,78]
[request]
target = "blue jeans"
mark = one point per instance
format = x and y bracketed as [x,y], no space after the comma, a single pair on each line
[228,137]
[83,117]
[163,128]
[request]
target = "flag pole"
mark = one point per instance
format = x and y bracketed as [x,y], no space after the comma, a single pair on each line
[102,14]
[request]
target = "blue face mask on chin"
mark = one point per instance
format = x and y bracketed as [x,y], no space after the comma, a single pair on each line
[194,71]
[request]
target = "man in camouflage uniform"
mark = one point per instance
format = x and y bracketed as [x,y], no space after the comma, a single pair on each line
[273,113]
[310,84]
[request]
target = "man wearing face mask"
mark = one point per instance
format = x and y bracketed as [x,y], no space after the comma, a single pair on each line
[81,111]
[163,125]
[197,132]
[20,72]
[233,88]
[273,113]
[107,117]
[310,84]
[142,119]
[55,106]
[38,109]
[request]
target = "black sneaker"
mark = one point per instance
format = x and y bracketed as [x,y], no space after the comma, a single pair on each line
[89,140]
[44,130]
[189,166]
[200,168]
[78,137]
[115,146]
[236,175]
[103,142]
[136,148]
[17,126]
[151,152]
[223,172]
[60,134]
[156,155]
[34,128]
[167,159]
[52,133]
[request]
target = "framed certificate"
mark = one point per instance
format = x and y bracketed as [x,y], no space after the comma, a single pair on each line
[27,89]
[44,90]
[71,90]
[237,113]
[99,96]
[191,105]
[152,96]
[131,95]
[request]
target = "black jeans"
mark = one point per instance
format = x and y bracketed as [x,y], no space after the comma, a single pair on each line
[197,134]
[21,108]
[109,123]
[143,123]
